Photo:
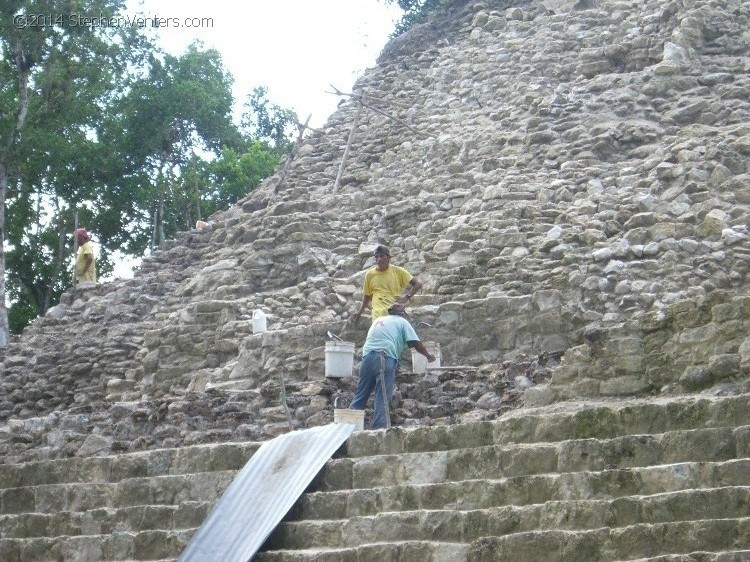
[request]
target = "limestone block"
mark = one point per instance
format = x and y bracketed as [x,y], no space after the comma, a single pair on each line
[555,233]
[731,237]
[676,54]
[461,258]
[545,323]
[494,23]
[540,395]
[744,354]
[696,377]
[603,254]
[489,401]
[221,265]
[626,385]
[662,231]
[94,444]
[713,224]
[742,144]
[514,14]
[581,387]
[724,366]
[547,299]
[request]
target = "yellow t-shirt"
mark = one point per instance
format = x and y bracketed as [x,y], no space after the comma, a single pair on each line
[385,287]
[90,275]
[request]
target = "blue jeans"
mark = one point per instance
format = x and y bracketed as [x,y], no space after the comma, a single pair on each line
[369,380]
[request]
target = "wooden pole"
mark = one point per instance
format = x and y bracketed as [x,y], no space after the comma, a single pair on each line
[153,232]
[75,252]
[285,169]
[346,150]
[197,193]
[361,99]
[284,403]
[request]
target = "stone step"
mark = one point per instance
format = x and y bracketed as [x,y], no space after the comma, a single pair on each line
[495,461]
[522,490]
[432,551]
[130,492]
[119,545]
[103,521]
[560,422]
[458,525]
[625,543]
[664,539]
[110,469]
[520,426]
[701,556]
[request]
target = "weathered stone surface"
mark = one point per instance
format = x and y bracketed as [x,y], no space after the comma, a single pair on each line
[571,190]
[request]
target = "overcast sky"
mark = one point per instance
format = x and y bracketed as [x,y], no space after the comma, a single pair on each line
[296,48]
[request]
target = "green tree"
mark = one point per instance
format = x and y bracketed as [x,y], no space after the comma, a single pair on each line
[180,108]
[415,12]
[268,123]
[235,173]
[55,73]
[95,121]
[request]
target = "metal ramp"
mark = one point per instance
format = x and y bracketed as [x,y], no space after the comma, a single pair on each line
[263,492]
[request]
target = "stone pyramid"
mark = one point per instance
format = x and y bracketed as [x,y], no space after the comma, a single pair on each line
[570,182]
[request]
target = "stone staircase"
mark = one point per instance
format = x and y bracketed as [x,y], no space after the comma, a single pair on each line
[572,191]
[617,481]
[664,479]
[139,506]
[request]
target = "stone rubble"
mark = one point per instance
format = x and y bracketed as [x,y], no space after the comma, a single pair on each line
[564,177]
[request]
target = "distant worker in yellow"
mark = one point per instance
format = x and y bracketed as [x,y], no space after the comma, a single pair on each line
[85,261]
[386,285]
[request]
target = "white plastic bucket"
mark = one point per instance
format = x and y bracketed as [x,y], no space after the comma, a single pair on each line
[343,415]
[339,359]
[419,363]
[259,322]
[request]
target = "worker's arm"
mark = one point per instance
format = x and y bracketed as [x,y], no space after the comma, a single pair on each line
[419,346]
[412,289]
[89,260]
[366,300]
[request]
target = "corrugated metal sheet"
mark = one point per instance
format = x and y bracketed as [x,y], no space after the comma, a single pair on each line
[262,493]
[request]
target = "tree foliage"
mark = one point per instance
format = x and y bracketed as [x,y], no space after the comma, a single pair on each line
[415,12]
[267,122]
[96,121]
[55,75]
[182,106]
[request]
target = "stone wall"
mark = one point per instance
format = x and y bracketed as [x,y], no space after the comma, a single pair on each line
[690,346]
[560,175]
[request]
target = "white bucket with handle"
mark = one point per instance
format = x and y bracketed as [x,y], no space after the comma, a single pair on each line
[345,415]
[259,322]
[339,359]
[419,363]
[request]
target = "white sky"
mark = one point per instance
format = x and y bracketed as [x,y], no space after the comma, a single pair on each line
[296,48]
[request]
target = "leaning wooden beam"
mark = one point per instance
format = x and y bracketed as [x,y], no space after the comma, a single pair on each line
[370,97]
[282,397]
[75,253]
[346,150]
[298,142]
[396,119]
[360,99]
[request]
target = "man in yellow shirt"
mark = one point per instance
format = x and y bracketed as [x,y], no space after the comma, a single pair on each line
[384,285]
[85,263]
